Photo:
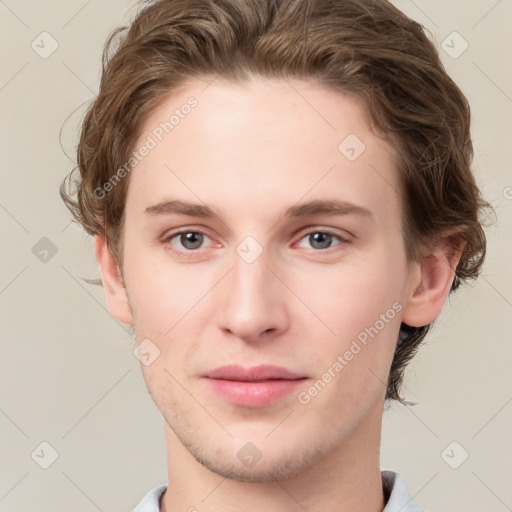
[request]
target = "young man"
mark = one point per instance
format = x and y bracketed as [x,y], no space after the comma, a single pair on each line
[281,198]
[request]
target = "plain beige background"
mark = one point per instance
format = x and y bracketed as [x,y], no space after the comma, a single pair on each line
[70,387]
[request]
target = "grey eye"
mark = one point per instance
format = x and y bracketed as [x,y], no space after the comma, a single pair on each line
[320,240]
[190,239]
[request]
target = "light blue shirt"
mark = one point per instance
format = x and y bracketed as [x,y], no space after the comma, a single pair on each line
[399,500]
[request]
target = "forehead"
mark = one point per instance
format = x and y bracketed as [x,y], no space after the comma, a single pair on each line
[227,144]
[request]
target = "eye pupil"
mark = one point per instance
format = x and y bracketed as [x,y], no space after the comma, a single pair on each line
[323,239]
[191,240]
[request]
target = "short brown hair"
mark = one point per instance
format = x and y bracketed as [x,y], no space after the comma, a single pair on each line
[364,48]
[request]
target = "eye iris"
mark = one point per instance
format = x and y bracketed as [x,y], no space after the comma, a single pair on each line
[323,240]
[191,240]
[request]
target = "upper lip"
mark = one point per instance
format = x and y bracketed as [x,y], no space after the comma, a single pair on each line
[252,373]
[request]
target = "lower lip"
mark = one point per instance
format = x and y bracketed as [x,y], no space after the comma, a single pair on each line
[253,394]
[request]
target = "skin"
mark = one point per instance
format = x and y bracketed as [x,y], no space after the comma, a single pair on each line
[250,152]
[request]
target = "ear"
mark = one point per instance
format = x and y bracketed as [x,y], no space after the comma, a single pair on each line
[431,280]
[115,291]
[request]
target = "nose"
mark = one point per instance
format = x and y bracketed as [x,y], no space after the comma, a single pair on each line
[252,301]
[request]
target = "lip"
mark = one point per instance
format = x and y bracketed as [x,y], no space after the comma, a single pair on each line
[252,373]
[256,386]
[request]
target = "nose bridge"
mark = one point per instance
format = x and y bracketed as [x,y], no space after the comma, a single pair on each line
[250,278]
[252,302]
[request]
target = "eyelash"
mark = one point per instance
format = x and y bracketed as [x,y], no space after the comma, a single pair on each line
[190,252]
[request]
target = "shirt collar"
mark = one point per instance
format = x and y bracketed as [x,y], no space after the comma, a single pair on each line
[393,484]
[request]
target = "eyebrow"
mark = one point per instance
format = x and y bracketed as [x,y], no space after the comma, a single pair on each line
[311,208]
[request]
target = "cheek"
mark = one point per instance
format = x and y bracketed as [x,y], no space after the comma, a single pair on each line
[351,296]
[160,292]
[340,300]
[360,303]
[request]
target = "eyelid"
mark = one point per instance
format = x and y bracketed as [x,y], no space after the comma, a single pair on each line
[322,229]
[185,229]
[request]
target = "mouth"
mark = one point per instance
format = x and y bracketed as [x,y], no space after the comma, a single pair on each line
[259,373]
[257,386]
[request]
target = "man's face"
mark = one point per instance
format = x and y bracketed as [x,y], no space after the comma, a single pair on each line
[252,286]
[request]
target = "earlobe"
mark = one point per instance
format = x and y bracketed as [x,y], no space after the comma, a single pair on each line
[115,291]
[432,280]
